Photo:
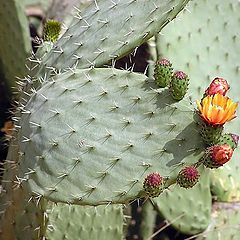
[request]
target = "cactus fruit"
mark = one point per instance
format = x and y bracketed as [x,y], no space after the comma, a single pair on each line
[188,177]
[153,184]
[163,72]
[179,85]
[218,85]
[51,31]
[217,155]
[210,134]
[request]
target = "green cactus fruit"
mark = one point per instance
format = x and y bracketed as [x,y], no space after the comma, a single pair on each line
[179,85]
[163,72]
[51,31]
[188,177]
[153,184]
[217,155]
[230,139]
[209,133]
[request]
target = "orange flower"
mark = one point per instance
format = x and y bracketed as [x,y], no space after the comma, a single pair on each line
[217,109]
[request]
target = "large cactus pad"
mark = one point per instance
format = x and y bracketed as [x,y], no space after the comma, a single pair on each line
[91,136]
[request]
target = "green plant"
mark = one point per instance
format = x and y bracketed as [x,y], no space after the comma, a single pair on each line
[90,135]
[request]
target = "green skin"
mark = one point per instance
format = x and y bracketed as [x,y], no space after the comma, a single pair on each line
[189,210]
[224,222]
[83,222]
[15,43]
[165,140]
[190,47]
[89,166]
[133,27]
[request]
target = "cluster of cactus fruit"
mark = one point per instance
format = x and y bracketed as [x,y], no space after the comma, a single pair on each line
[87,135]
[214,110]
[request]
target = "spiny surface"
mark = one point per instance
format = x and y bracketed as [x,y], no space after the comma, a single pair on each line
[188,209]
[19,218]
[204,56]
[91,136]
[83,222]
[109,30]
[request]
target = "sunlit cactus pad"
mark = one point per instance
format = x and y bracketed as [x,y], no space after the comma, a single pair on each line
[111,29]
[91,136]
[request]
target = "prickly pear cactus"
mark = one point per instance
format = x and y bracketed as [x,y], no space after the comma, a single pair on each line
[189,210]
[102,132]
[204,56]
[72,222]
[224,223]
[225,182]
[134,22]
[15,42]
[20,218]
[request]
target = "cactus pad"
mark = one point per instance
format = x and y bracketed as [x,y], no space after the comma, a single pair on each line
[111,29]
[83,222]
[91,136]
[188,209]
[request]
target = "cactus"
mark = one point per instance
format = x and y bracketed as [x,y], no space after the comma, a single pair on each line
[148,220]
[205,56]
[92,30]
[225,184]
[188,209]
[90,135]
[224,223]
[84,222]
[14,42]
[139,129]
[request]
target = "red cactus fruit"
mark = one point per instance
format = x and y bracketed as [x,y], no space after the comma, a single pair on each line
[218,155]
[153,184]
[218,85]
[188,177]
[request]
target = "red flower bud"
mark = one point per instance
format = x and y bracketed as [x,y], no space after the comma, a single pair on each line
[218,85]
